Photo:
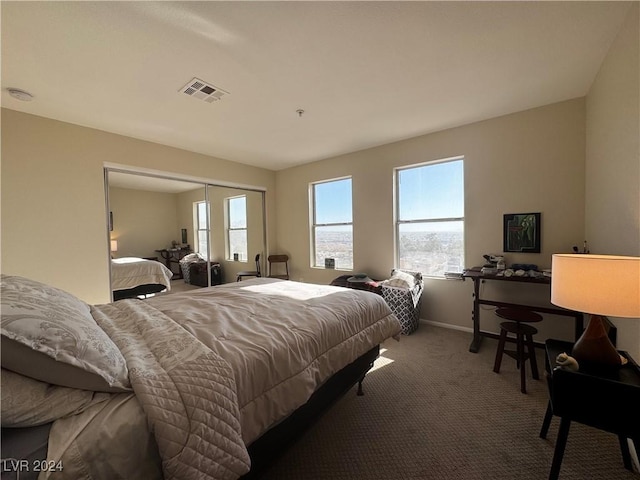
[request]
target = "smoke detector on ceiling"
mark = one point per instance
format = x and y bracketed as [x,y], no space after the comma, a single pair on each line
[204,91]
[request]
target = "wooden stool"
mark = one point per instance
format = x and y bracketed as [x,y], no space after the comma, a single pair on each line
[524,334]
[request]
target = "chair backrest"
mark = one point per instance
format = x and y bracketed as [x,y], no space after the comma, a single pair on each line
[279,259]
[258,263]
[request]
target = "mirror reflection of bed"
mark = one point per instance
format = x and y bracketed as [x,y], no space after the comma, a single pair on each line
[157,221]
[139,277]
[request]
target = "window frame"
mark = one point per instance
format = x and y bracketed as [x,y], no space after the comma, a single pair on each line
[314,225]
[230,229]
[398,222]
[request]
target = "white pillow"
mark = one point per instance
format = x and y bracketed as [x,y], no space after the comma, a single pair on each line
[57,328]
[191,258]
[401,279]
[27,402]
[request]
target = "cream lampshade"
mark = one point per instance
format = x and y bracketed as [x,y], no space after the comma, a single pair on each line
[114,245]
[598,285]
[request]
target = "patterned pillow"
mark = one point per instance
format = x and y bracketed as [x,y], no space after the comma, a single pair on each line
[61,337]
[400,279]
[27,402]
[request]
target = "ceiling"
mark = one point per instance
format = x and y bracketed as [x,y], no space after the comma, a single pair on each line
[365,73]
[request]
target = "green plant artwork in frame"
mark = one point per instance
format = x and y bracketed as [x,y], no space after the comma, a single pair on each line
[522,232]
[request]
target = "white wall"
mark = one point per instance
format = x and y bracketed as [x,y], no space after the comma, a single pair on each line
[531,161]
[612,200]
[54,218]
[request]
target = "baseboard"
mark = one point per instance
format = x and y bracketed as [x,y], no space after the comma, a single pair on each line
[485,333]
[447,325]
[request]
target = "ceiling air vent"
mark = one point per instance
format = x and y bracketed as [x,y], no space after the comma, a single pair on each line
[204,91]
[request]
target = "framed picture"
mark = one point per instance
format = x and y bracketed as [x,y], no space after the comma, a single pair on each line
[111,221]
[521,232]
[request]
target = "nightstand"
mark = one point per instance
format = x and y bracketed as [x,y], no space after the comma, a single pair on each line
[601,397]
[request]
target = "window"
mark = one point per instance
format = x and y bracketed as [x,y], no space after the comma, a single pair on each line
[201,211]
[332,224]
[237,228]
[430,217]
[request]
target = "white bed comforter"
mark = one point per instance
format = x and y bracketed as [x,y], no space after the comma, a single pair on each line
[283,339]
[129,272]
[215,368]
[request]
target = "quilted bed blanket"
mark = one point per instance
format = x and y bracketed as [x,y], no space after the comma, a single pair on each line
[187,391]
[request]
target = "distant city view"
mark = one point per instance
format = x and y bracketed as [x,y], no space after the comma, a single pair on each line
[432,253]
[332,244]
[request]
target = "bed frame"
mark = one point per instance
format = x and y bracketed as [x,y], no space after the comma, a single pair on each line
[146,289]
[30,443]
[272,444]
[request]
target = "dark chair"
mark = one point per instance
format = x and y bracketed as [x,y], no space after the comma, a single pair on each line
[250,273]
[282,265]
[524,337]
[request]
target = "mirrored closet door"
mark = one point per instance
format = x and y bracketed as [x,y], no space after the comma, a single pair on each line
[176,222]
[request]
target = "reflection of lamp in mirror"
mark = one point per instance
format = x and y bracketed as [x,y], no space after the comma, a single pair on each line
[598,285]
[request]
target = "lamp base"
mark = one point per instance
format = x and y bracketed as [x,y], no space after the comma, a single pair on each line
[594,346]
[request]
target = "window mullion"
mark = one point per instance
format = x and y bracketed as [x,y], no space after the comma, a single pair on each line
[432,220]
[332,224]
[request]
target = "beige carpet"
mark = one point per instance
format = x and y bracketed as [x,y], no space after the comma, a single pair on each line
[177,285]
[432,410]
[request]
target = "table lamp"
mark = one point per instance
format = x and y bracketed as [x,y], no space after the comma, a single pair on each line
[598,285]
[114,245]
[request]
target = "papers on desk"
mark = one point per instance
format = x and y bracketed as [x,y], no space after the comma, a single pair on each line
[453,275]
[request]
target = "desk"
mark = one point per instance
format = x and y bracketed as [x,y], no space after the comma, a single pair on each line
[172,257]
[603,398]
[478,278]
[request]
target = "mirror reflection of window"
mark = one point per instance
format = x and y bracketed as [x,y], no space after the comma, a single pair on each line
[201,227]
[237,228]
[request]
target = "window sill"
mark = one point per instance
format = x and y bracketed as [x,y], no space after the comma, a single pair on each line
[333,269]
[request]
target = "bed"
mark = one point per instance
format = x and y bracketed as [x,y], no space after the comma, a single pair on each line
[132,277]
[207,383]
